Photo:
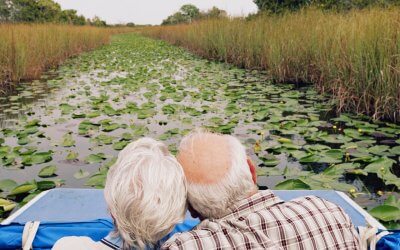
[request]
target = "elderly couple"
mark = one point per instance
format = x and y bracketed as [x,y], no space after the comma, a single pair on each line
[148,192]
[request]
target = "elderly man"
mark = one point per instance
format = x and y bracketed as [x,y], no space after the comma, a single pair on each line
[235,215]
[146,195]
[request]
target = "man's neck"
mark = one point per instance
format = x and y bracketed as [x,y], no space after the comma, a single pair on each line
[253,192]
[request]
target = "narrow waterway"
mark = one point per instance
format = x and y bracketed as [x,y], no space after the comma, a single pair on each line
[66,130]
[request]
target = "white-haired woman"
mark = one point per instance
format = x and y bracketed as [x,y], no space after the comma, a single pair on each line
[146,195]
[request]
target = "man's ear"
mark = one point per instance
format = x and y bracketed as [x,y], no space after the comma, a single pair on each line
[252,170]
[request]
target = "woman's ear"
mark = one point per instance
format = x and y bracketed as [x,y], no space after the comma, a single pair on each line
[252,170]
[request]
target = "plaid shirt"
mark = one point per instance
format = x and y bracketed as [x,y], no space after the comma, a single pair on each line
[264,221]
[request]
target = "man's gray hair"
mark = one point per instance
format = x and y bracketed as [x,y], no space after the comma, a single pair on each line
[214,200]
[146,193]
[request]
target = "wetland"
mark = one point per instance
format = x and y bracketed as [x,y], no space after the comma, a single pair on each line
[67,128]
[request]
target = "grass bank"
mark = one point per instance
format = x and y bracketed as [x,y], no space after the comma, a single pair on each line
[28,50]
[354,56]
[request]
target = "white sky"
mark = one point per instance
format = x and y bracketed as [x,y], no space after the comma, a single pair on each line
[150,11]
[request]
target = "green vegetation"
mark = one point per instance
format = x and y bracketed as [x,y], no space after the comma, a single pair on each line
[189,13]
[36,35]
[352,56]
[28,50]
[280,6]
[42,11]
[102,100]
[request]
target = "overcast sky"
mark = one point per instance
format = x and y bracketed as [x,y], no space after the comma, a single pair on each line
[150,11]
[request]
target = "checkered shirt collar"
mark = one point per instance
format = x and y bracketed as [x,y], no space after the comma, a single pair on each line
[259,201]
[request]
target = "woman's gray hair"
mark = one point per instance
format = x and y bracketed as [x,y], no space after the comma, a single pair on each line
[213,201]
[146,193]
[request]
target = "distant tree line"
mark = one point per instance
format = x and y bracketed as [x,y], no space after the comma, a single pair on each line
[189,13]
[42,11]
[279,6]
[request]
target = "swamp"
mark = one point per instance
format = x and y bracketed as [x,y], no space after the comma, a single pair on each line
[67,128]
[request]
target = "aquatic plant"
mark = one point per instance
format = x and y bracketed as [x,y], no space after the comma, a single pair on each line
[27,50]
[353,56]
[68,130]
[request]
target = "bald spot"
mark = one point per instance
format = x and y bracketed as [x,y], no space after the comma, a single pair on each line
[206,159]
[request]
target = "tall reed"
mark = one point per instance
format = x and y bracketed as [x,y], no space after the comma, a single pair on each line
[28,50]
[353,56]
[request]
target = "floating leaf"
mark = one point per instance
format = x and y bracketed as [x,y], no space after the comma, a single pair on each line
[108,110]
[6,205]
[81,174]
[386,212]
[78,115]
[292,184]
[395,150]
[24,188]
[316,147]
[170,109]
[120,145]
[126,136]
[270,160]
[23,140]
[97,180]
[380,165]
[86,126]
[392,201]
[66,108]
[333,153]
[139,130]
[72,156]
[339,169]
[309,158]
[110,127]
[37,158]
[29,197]
[46,185]
[95,158]
[68,140]
[7,185]
[104,139]
[378,149]
[48,171]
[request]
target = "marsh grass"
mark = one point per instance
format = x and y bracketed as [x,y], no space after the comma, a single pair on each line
[353,56]
[28,50]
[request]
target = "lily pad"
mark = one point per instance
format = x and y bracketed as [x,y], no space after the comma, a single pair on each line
[270,160]
[22,189]
[395,150]
[6,205]
[120,145]
[309,158]
[7,185]
[72,156]
[378,149]
[386,212]
[46,185]
[95,158]
[81,174]
[68,140]
[292,184]
[37,158]
[97,180]
[48,171]
[66,108]
[110,127]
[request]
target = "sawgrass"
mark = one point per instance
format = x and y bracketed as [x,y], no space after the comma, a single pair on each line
[26,50]
[354,56]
